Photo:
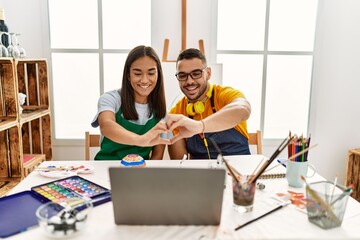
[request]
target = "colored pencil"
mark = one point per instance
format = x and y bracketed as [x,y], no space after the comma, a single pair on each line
[292,157]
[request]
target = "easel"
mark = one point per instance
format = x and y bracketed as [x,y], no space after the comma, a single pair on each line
[183,36]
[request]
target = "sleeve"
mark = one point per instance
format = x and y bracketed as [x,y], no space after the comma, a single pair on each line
[109,101]
[227,94]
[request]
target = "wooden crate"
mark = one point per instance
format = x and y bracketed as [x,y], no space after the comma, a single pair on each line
[36,136]
[8,91]
[31,161]
[353,172]
[4,157]
[32,78]
[10,154]
[35,120]
[28,131]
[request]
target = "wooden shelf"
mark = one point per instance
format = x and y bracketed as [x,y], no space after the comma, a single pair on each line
[6,123]
[28,131]
[32,77]
[7,184]
[353,172]
[36,136]
[32,115]
[8,89]
[31,161]
[11,152]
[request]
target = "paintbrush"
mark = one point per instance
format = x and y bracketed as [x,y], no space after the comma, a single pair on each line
[292,157]
[265,214]
[284,143]
[48,169]
[348,191]
[326,207]
[228,166]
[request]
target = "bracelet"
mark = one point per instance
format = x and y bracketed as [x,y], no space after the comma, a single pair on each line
[203,124]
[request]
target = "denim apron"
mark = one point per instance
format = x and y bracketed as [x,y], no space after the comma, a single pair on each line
[116,151]
[230,142]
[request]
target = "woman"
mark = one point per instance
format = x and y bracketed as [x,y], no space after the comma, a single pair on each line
[129,118]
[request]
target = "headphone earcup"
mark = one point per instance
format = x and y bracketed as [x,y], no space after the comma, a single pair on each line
[199,107]
[190,109]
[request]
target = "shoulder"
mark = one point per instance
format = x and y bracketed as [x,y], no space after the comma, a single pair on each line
[111,95]
[179,106]
[110,100]
[227,92]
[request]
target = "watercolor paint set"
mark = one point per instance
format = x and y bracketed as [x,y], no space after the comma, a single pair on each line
[71,187]
[25,203]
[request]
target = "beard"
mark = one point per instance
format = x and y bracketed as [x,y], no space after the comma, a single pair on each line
[191,97]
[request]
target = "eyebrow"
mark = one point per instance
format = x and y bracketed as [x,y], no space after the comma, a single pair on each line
[198,69]
[139,70]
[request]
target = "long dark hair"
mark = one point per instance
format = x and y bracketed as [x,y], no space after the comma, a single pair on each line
[156,98]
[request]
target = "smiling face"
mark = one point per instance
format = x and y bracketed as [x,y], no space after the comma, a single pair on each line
[143,78]
[196,89]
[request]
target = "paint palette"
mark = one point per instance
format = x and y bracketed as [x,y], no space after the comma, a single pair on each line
[74,186]
[62,171]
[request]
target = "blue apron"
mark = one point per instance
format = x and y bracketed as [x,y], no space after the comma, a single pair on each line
[230,142]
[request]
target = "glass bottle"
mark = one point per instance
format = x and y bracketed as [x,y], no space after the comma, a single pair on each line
[3,28]
[3,50]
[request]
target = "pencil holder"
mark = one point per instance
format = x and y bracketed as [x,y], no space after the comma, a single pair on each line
[243,194]
[326,203]
[295,169]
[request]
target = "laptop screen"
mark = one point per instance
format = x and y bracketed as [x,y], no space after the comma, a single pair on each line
[167,196]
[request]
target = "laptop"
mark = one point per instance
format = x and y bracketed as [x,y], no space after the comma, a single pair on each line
[167,196]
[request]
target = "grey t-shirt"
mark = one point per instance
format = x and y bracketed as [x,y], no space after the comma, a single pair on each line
[111,101]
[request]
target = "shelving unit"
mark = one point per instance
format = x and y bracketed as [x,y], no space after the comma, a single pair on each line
[35,119]
[27,132]
[31,161]
[353,172]
[8,118]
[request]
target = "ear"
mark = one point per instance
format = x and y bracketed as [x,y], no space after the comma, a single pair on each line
[208,73]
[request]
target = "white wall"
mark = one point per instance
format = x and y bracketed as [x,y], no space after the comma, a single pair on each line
[26,17]
[334,115]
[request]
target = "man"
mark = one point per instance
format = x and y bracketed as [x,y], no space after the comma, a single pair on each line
[207,111]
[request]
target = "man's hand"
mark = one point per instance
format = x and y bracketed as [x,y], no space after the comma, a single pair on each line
[153,136]
[187,127]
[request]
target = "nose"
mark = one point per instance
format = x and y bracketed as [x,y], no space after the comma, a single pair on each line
[189,80]
[144,78]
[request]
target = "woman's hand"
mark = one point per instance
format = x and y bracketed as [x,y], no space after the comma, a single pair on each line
[153,136]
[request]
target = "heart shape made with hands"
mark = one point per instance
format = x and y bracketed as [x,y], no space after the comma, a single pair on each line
[180,126]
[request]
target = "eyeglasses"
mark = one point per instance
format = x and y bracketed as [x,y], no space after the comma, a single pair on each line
[196,74]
